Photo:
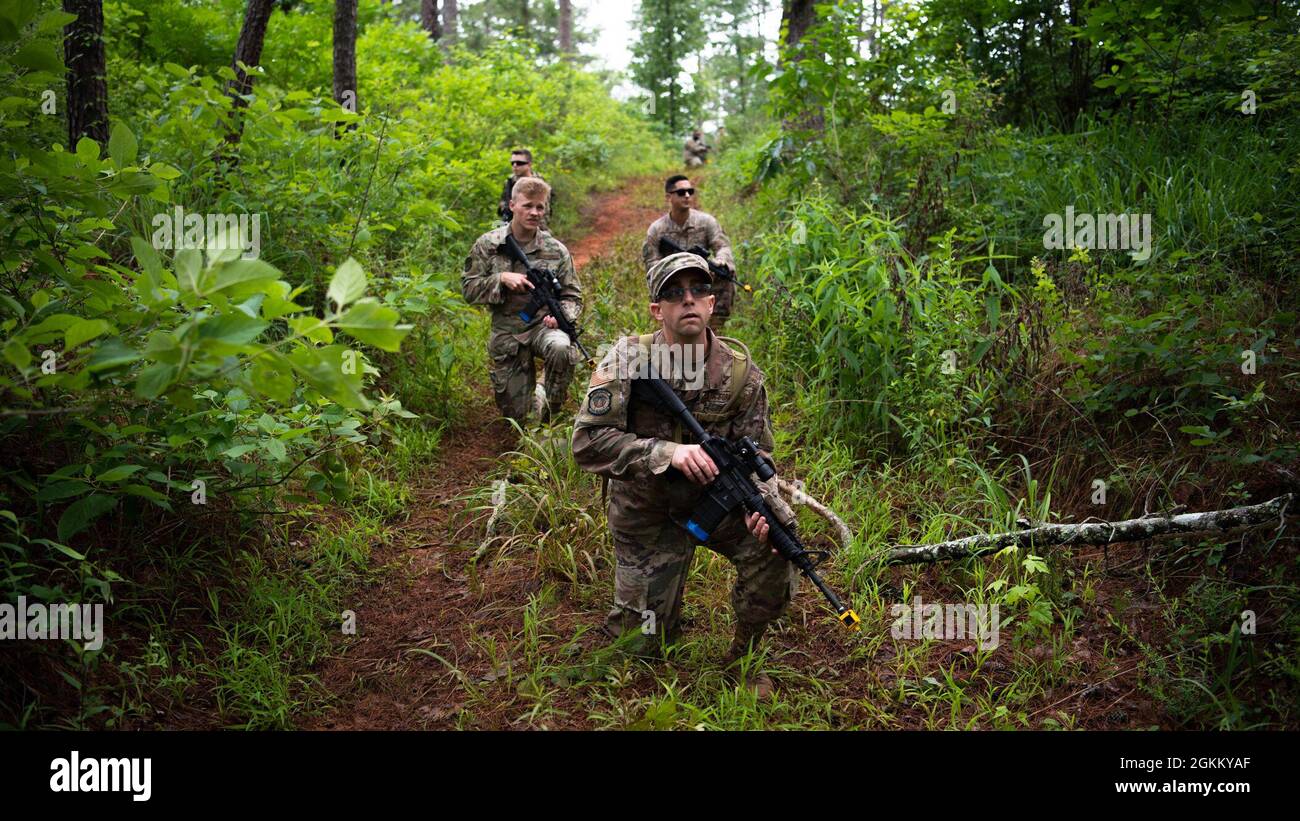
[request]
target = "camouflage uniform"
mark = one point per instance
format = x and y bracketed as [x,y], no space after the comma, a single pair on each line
[700,229]
[513,344]
[694,152]
[631,444]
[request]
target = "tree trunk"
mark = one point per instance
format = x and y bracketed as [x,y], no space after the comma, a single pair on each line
[83,54]
[525,22]
[797,17]
[449,14]
[1098,533]
[345,55]
[429,19]
[248,50]
[566,29]
[1077,94]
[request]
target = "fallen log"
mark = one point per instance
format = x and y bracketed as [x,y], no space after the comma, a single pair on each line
[1096,533]
[798,496]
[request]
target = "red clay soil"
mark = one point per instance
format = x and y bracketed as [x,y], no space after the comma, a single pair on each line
[611,215]
[423,599]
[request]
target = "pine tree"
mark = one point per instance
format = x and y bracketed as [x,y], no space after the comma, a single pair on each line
[672,33]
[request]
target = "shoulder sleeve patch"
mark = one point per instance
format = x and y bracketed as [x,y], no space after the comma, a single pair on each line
[599,401]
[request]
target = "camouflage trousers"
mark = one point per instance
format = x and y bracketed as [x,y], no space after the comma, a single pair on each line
[514,375]
[724,297]
[650,577]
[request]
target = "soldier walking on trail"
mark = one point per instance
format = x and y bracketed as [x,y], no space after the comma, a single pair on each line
[695,151]
[657,477]
[521,165]
[491,278]
[687,226]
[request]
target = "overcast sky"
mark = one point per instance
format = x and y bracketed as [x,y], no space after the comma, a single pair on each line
[613,20]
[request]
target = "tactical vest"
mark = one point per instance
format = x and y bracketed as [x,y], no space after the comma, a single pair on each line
[741,364]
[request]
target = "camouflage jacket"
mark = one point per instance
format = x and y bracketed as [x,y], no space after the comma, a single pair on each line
[631,442]
[481,281]
[700,229]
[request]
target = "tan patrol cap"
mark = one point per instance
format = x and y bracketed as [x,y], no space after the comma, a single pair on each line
[666,268]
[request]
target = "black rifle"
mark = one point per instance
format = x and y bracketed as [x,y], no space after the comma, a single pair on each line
[732,489]
[667,247]
[546,290]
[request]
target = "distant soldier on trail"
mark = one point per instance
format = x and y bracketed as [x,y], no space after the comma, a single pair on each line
[492,278]
[689,227]
[521,165]
[695,151]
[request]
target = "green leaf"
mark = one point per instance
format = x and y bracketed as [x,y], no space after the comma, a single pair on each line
[323,369]
[233,329]
[242,271]
[189,267]
[277,449]
[87,151]
[163,171]
[39,56]
[67,551]
[53,21]
[273,377]
[154,380]
[312,328]
[118,473]
[374,324]
[17,354]
[348,283]
[111,354]
[81,513]
[122,146]
[148,493]
[83,331]
[62,490]
[17,13]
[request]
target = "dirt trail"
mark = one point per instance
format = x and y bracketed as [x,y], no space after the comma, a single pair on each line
[423,599]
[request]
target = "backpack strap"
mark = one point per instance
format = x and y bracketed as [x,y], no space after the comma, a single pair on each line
[643,342]
[741,363]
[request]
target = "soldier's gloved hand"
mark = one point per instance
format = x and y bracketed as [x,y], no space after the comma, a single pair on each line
[549,321]
[693,461]
[515,282]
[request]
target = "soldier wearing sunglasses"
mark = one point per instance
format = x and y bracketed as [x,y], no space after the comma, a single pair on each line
[521,165]
[687,226]
[657,477]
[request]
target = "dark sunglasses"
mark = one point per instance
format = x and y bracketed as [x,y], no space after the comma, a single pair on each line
[520,162]
[685,192]
[677,293]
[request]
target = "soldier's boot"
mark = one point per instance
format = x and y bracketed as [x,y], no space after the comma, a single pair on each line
[747,637]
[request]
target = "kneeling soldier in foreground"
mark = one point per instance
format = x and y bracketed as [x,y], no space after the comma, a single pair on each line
[657,479]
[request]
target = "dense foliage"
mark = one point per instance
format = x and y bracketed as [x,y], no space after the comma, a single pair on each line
[169,381]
